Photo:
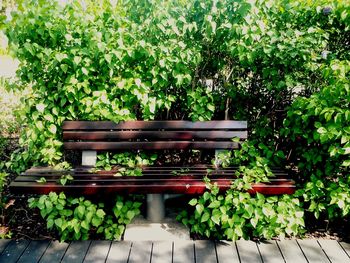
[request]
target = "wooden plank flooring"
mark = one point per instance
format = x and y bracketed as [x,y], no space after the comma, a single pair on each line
[291,251]
[285,251]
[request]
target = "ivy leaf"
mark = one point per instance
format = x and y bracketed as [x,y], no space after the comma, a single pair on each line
[53,128]
[40,107]
[322,130]
[81,211]
[216,219]
[77,60]
[199,208]
[64,67]
[85,71]
[193,202]
[58,222]
[60,56]
[205,217]
[100,213]
[214,204]
[85,225]
[211,107]
[50,223]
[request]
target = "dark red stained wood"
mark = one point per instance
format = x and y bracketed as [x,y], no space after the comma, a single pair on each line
[132,188]
[174,135]
[158,145]
[149,179]
[153,125]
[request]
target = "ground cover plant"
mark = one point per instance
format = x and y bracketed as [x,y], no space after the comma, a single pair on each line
[282,65]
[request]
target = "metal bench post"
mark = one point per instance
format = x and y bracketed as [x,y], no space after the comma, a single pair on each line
[88,158]
[155,207]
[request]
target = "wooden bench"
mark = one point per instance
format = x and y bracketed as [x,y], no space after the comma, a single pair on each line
[92,136]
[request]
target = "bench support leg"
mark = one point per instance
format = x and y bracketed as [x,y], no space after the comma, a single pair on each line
[88,158]
[155,207]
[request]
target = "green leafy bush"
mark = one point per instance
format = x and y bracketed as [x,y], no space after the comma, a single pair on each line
[77,218]
[282,65]
[240,215]
[141,60]
[319,127]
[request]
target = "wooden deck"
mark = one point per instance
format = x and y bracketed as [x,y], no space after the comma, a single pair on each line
[295,251]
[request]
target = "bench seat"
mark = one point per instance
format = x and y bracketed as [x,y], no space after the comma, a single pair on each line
[172,180]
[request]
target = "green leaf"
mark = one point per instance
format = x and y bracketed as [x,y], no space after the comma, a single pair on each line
[85,225]
[100,213]
[81,211]
[68,37]
[58,222]
[130,214]
[40,107]
[322,130]
[50,223]
[199,208]
[60,56]
[42,180]
[64,68]
[216,219]
[96,221]
[193,202]
[205,217]
[53,128]
[85,71]
[77,60]
[214,204]
[254,221]
[206,196]
[346,163]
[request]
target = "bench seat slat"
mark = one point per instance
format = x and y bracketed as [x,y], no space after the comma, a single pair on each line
[153,125]
[158,145]
[180,187]
[175,135]
[146,179]
[144,173]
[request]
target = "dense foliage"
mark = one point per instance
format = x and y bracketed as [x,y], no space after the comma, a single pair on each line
[282,65]
[78,218]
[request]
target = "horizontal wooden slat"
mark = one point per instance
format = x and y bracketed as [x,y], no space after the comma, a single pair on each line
[159,145]
[195,187]
[230,174]
[154,125]
[164,168]
[140,179]
[174,135]
[154,180]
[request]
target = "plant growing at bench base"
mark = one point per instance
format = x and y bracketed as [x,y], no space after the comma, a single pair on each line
[4,205]
[77,218]
[241,215]
[238,214]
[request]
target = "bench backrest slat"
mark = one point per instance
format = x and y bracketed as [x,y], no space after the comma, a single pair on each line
[152,135]
[159,145]
[154,125]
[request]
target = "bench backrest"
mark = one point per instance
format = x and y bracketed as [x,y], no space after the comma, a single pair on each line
[152,135]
